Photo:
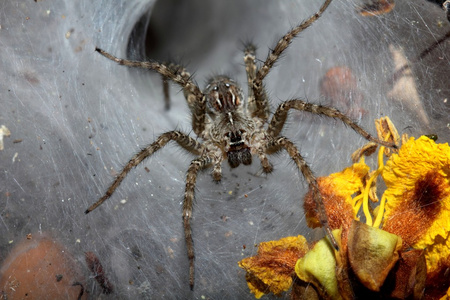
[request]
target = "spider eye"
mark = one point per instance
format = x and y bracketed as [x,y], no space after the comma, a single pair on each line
[223,94]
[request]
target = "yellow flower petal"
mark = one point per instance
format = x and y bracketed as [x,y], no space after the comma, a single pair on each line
[272,268]
[337,190]
[414,160]
[418,198]
[447,295]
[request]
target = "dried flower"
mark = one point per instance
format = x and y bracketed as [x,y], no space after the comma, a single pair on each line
[272,268]
[418,203]
[337,190]
[409,257]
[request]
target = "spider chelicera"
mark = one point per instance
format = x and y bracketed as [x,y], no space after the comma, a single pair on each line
[229,128]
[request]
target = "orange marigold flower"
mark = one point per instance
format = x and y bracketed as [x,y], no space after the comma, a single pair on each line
[337,190]
[408,257]
[272,268]
[418,198]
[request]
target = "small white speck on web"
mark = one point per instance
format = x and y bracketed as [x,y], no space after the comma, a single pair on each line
[77,241]
[144,287]
[4,131]
[123,201]
[14,157]
[251,223]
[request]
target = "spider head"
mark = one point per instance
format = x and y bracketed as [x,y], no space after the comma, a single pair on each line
[223,95]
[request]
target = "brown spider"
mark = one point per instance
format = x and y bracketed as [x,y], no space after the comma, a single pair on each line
[229,128]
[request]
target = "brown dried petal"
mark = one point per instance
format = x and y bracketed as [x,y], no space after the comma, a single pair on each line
[372,253]
[304,291]
[387,132]
[272,268]
[408,277]
[366,150]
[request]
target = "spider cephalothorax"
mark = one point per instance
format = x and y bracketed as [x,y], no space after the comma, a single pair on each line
[229,123]
[230,128]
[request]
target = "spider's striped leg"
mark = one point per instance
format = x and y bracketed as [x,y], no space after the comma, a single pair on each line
[274,55]
[284,42]
[279,118]
[188,94]
[190,98]
[265,163]
[178,75]
[166,92]
[217,171]
[182,139]
[259,108]
[191,178]
[282,142]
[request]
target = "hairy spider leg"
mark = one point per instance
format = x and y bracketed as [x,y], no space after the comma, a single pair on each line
[277,124]
[279,118]
[274,55]
[261,109]
[165,82]
[283,142]
[191,179]
[178,75]
[182,139]
[265,163]
[174,68]
[190,97]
